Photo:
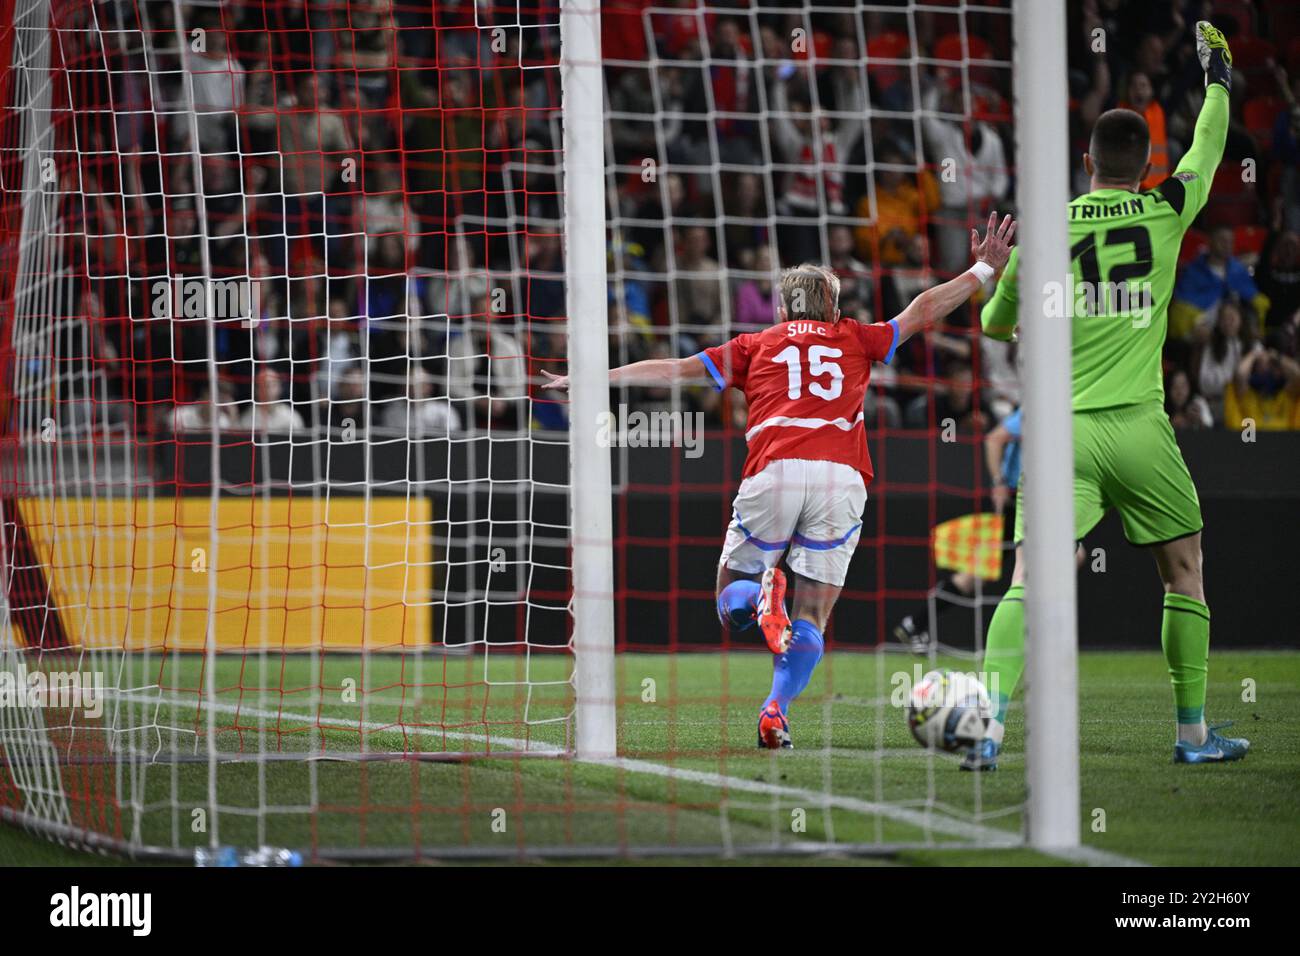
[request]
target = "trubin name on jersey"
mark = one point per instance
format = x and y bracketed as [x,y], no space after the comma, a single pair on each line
[1125,207]
[1071,298]
[625,428]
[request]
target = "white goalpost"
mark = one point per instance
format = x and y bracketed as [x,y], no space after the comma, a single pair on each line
[582,82]
[1051,651]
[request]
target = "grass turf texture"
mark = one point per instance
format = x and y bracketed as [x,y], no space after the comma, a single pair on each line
[850,741]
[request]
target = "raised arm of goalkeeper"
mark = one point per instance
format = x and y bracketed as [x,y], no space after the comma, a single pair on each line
[1186,190]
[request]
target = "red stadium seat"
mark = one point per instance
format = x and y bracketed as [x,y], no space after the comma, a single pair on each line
[1260,114]
[1249,239]
[622,34]
[1193,242]
[1243,211]
[949,47]
[1293,55]
[991,108]
[822,43]
[1228,182]
[1250,55]
[887,46]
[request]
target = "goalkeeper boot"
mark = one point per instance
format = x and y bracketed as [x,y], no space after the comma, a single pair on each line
[773,621]
[1216,749]
[915,639]
[773,729]
[983,756]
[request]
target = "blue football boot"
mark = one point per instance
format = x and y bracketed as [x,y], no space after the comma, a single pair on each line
[1216,749]
[983,756]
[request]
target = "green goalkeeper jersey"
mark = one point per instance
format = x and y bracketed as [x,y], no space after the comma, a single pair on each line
[1124,254]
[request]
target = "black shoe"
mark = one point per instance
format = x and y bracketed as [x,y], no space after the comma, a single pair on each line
[910,636]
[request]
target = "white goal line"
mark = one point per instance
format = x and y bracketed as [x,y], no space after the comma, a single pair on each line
[980,837]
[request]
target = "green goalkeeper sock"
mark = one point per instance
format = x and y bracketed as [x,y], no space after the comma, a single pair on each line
[1004,653]
[1185,637]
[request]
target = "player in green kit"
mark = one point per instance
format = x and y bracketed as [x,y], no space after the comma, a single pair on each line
[1124,252]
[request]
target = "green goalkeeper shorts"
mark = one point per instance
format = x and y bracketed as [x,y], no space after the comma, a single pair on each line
[1127,458]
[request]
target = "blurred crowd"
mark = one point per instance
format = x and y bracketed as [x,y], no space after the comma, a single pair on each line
[387,176]
[877,149]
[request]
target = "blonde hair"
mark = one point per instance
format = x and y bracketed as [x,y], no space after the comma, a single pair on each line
[810,292]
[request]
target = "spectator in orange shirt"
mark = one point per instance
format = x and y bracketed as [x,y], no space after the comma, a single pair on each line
[1141,99]
[904,201]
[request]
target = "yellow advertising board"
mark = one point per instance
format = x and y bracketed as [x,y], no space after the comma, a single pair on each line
[290,572]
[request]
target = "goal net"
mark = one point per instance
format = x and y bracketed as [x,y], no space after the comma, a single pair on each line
[289,547]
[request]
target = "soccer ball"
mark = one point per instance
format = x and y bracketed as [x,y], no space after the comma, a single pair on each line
[948,710]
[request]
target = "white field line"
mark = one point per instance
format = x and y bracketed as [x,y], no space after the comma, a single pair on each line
[938,823]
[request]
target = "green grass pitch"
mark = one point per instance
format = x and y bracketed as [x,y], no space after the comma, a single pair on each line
[690,781]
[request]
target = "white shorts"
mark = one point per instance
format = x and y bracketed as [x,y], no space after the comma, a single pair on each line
[811,508]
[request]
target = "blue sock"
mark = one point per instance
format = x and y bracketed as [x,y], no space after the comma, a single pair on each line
[736,604]
[792,670]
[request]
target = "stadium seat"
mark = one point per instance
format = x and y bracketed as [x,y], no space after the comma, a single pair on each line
[621,31]
[887,46]
[1251,55]
[1228,183]
[822,42]
[1293,55]
[949,47]
[1259,115]
[1248,240]
[1241,211]
[991,108]
[1193,242]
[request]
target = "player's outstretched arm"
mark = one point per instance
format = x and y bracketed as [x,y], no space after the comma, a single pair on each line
[990,254]
[648,372]
[1188,188]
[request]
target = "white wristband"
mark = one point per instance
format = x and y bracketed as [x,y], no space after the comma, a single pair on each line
[981,271]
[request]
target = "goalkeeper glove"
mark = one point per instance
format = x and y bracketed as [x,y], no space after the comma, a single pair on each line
[1216,58]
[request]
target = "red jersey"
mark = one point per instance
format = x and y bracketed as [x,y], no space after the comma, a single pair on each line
[805,383]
